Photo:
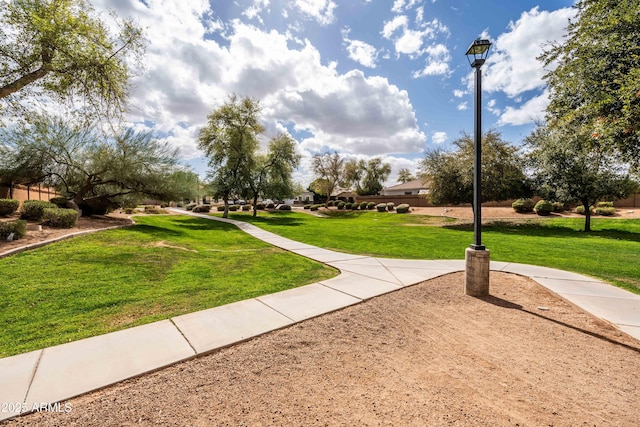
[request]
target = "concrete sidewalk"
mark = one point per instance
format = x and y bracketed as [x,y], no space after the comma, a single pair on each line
[55,374]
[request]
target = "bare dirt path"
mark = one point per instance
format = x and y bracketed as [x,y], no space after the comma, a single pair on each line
[424,355]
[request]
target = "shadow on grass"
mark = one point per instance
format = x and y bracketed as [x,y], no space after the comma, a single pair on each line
[509,305]
[286,219]
[539,229]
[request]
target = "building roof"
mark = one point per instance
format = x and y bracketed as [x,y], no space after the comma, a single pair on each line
[415,184]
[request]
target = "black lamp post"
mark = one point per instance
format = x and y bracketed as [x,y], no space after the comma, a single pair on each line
[477,54]
[477,261]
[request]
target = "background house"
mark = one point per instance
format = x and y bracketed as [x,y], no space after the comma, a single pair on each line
[409,188]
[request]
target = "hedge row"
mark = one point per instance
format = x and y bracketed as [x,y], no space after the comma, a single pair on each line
[8,206]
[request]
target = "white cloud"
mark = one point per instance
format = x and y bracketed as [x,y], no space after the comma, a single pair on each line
[491,106]
[361,52]
[463,106]
[320,10]
[531,111]
[411,42]
[401,5]
[439,137]
[459,93]
[512,66]
[189,73]
[437,62]
[255,9]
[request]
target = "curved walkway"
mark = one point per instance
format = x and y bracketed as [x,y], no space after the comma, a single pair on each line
[55,374]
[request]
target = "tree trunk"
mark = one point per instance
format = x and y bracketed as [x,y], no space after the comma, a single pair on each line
[225,214]
[587,216]
[255,206]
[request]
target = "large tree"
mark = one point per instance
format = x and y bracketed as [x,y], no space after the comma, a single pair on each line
[271,176]
[569,171]
[64,50]
[367,177]
[450,174]
[594,81]
[329,171]
[94,171]
[405,175]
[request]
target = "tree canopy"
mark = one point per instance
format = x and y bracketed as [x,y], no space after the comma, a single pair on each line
[238,169]
[595,82]
[450,174]
[568,170]
[229,140]
[405,175]
[329,171]
[367,177]
[271,176]
[94,171]
[64,50]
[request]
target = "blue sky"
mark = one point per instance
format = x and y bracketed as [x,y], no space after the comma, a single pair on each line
[366,78]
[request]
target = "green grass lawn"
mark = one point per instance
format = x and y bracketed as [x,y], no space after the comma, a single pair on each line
[611,252]
[162,267]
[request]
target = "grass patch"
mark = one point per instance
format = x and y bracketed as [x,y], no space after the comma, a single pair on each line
[162,267]
[610,252]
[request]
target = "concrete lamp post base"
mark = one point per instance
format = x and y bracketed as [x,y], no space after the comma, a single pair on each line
[476,279]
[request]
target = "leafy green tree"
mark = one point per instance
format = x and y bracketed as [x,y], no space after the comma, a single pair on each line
[271,176]
[367,177]
[595,87]
[186,184]
[569,171]
[96,172]
[450,174]
[19,165]
[230,141]
[62,49]
[404,175]
[329,168]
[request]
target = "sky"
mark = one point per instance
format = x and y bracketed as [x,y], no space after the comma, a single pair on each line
[364,78]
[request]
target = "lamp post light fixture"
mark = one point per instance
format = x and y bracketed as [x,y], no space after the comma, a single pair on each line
[477,255]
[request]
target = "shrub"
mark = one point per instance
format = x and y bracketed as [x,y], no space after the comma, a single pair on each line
[260,206]
[129,211]
[33,210]
[284,207]
[605,210]
[307,206]
[8,206]
[523,205]
[580,209]
[390,206]
[403,208]
[348,205]
[190,206]
[315,207]
[17,227]
[354,206]
[204,208]
[152,210]
[331,203]
[543,208]
[246,208]
[233,208]
[371,205]
[60,218]
[60,202]
[558,207]
[604,205]
[381,207]
[341,205]
[270,206]
[363,205]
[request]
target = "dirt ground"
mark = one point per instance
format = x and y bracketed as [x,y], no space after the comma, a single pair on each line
[424,355]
